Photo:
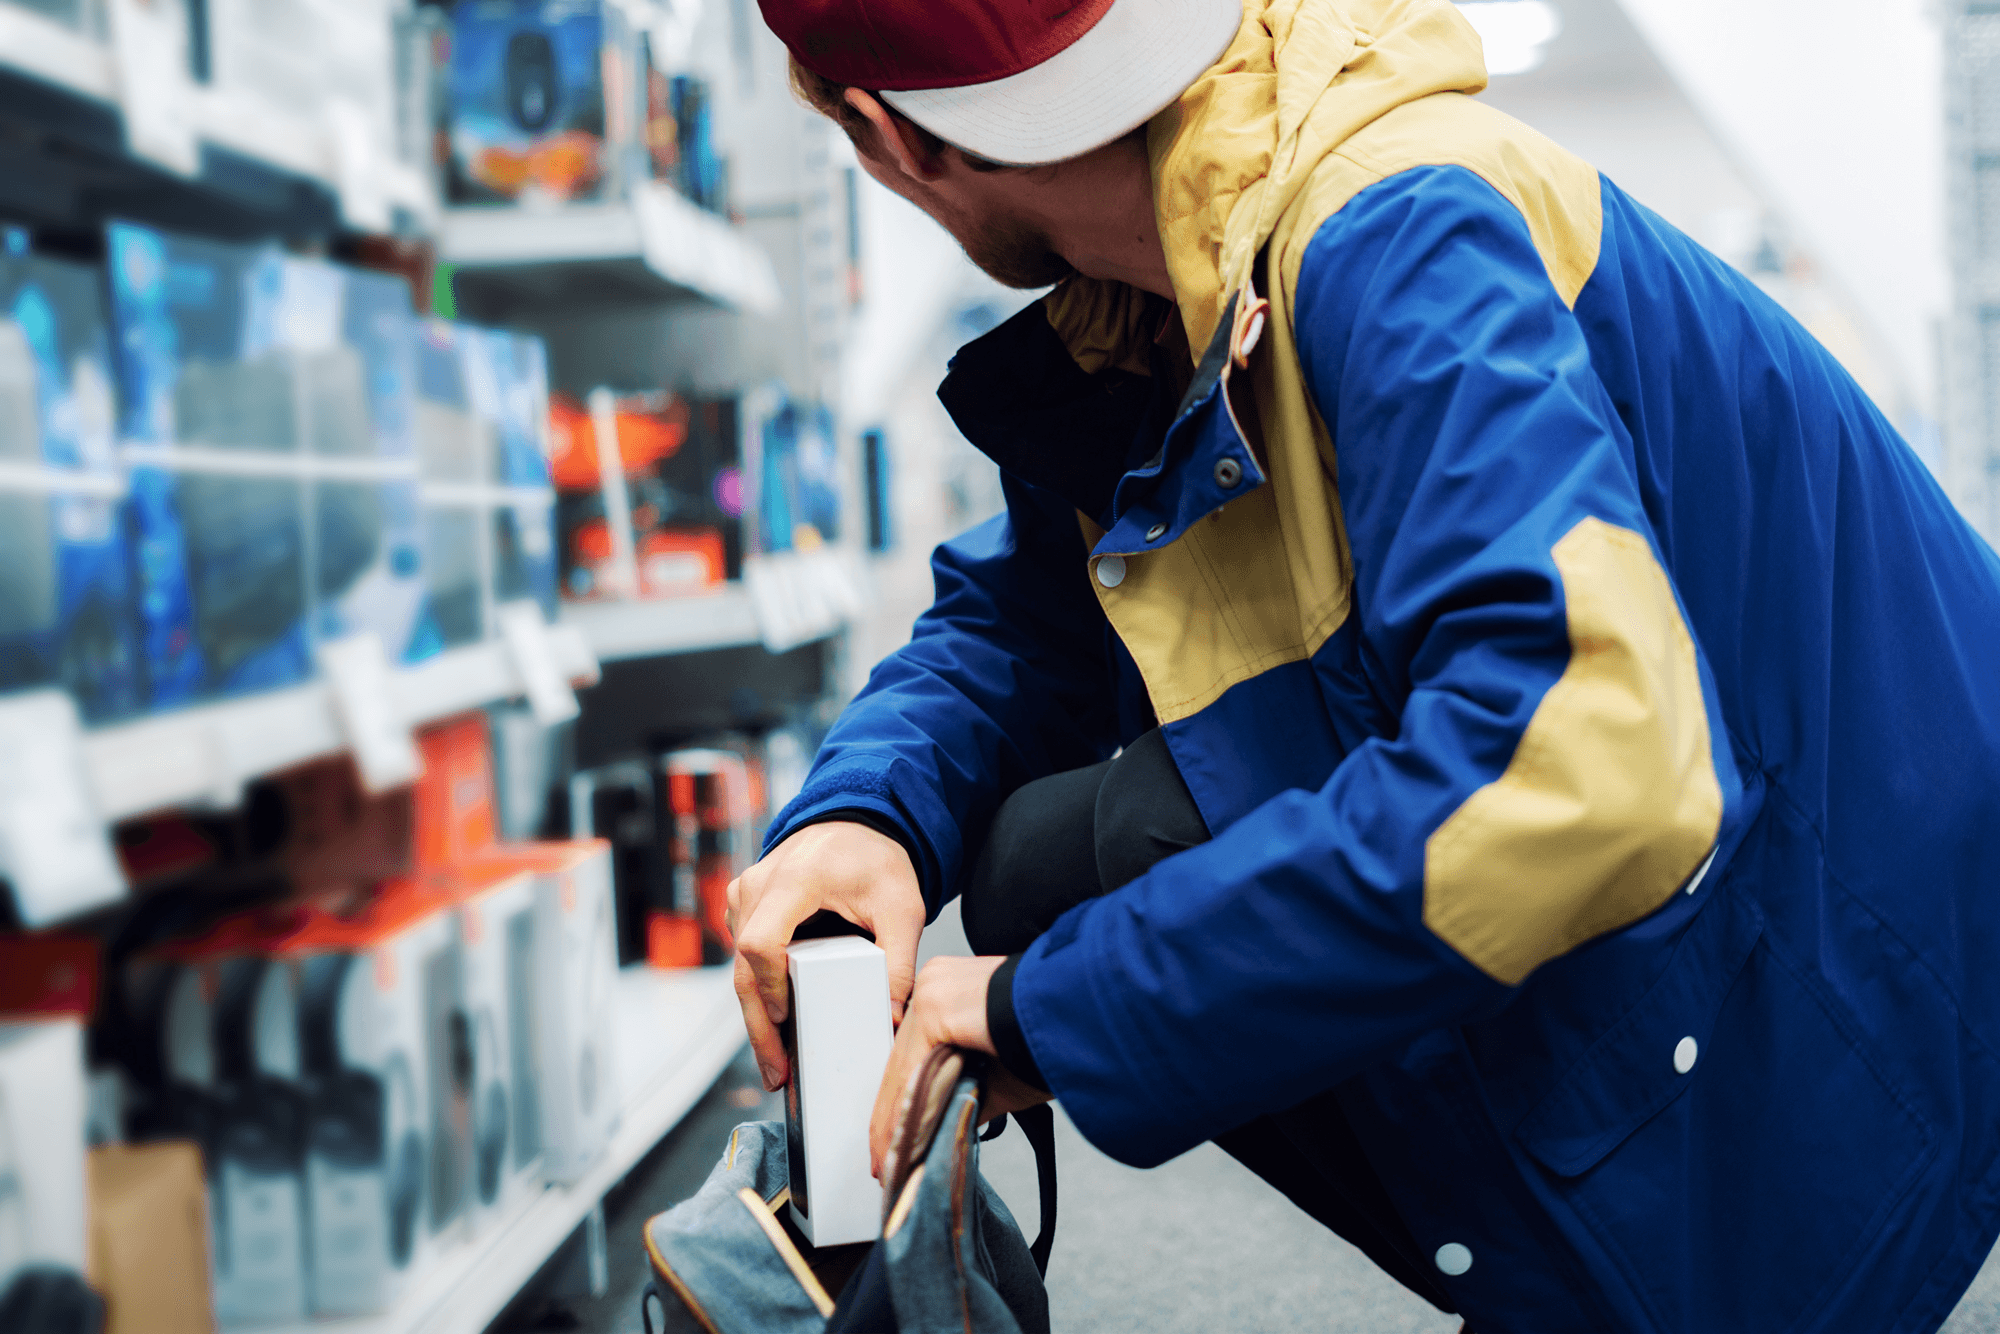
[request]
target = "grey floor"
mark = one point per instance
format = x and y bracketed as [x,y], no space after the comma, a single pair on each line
[1196,1245]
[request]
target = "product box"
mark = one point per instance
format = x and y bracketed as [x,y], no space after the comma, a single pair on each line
[524,768]
[545,103]
[367,537]
[453,801]
[67,601]
[574,978]
[388,1111]
[148,1238]
[797,492]
[41,1146]
[482,436]
[709,812]
[216,1060]
[837,1040]
[620,804]
[47,974]
[683,493]
[494,908]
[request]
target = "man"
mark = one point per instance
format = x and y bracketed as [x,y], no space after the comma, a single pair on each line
[1558,716]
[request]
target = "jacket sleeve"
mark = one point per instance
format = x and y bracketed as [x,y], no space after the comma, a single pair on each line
[1005,679]
[1549,776]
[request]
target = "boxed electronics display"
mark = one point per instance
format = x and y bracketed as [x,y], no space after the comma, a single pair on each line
[66,595]
[452,804]
[387,1114]
[482,403]
[683,492]
[494,906]
[837,1038]
[796,494]
[575,971]
[366,521]
[709,812]
[41,1146]
[268,423]
[545,100]
[218,1062]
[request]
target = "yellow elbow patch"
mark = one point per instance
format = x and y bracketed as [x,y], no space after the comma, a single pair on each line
[1611,799]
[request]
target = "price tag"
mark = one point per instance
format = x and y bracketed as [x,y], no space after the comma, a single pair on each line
[54,849]
[550,698]
[364,700]
[150,38]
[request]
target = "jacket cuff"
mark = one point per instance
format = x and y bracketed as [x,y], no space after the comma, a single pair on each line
[1010,1044]
[839,791]
[862,815]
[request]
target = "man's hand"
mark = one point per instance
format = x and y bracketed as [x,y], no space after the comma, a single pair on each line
[864,876]
[948,1009]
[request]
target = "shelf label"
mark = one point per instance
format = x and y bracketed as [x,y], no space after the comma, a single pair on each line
[54,849]
[526,635]
[364,699]
[150,38]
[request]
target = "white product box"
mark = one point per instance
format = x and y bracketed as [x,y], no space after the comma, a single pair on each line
[383,1145]
[496,925]
[575,974]
[838,1039]
[41,1146]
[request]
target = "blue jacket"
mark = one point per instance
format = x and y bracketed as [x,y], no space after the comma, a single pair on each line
[1612,827]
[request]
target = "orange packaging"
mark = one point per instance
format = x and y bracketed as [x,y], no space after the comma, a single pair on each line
[676,563]
[454,799]
[650,427]
[48,975]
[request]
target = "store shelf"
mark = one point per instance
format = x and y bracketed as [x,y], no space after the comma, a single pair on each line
[636,628]
[657,246]
[677,1032]
[782,602]
[41,47]
[204,755]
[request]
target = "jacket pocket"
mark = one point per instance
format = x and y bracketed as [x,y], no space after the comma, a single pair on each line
[1729,1142]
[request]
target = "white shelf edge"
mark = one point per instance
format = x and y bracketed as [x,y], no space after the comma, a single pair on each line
[46,50]
[646,627]
[474,1283]
[683,244]
[204,754]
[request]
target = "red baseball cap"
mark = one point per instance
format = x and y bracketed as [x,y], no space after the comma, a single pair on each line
[1015,81]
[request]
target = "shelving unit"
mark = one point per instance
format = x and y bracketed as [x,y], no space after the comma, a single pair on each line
[203,755]
[782,602]
[654,247]
[676,1033]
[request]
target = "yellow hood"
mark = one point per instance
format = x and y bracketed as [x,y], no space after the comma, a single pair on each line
[1301,76]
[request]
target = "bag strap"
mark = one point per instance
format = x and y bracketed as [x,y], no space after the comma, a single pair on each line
[1039,1125]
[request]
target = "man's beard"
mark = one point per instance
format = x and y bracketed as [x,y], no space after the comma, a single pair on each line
[1010,252]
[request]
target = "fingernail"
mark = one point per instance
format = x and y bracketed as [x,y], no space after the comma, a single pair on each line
[775,1011]
[770,1078]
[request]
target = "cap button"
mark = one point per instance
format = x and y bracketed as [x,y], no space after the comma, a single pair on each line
[1228,472]
[1111,571]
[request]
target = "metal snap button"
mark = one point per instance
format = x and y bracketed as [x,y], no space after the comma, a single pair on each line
[1156,532]
[1453,1259]
[1685,1052]
[1228,472]
[1111,571]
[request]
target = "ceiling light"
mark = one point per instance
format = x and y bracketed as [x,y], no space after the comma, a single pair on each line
[1515,33]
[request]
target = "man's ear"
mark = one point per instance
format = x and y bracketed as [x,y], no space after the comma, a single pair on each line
[898,145]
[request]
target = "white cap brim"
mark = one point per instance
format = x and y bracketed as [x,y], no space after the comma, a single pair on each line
[1130,66]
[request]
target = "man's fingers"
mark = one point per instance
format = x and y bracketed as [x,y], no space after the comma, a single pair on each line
[764,1041]
[762,943]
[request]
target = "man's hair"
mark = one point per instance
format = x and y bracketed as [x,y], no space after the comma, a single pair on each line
[830,100]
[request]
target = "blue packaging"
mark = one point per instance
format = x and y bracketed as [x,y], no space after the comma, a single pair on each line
[528,114]
[367,517]
[798,492]
[66,592]
[489,506]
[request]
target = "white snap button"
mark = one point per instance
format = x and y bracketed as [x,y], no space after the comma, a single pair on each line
[1684,1053]
[1228,472]
[1453,1259]
[1111,571]
[1156,532]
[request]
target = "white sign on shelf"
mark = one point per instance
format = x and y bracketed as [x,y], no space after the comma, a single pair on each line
[364,700]
[54,849]
[527,638]
[155,92]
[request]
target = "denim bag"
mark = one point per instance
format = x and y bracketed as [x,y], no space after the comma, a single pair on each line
[950,1260]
